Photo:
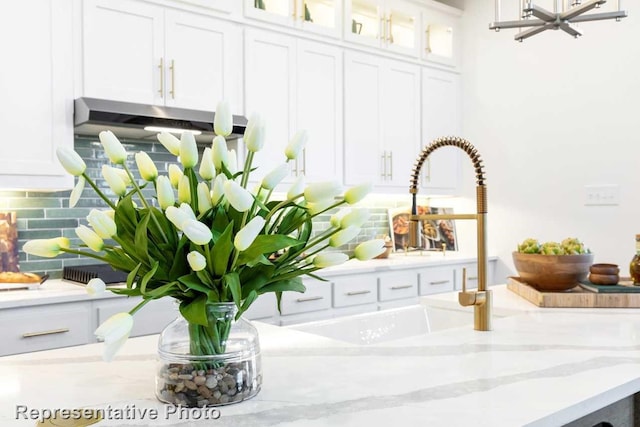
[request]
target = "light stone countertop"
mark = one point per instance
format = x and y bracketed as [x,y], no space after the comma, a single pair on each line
[538,367]
[60,291]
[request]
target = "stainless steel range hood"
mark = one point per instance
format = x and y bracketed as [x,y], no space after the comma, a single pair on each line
[128,120]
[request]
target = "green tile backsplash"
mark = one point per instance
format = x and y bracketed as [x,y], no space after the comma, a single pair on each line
[44,215]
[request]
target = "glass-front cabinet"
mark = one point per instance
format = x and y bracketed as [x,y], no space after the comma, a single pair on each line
[389,24]
[441,37]
[317,16]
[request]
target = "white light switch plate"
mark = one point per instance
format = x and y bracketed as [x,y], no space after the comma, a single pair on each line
[603,195]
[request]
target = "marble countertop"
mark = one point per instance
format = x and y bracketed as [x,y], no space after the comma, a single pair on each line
[537,367]
[60,291]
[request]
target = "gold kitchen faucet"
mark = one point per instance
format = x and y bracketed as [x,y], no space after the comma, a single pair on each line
[480,299]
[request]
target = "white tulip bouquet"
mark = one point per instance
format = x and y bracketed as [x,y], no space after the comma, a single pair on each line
[212,240]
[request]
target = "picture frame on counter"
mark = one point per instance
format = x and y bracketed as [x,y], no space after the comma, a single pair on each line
[435,233]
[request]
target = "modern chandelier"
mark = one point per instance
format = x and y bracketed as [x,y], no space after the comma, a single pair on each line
[565,14]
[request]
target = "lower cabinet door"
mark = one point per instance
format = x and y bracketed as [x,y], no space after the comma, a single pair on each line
[264,308]
[354,290]
[37,328]
[151,319]
[435,280]
[398,285]
[316,297]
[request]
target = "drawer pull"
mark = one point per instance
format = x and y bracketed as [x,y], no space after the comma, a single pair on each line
[439,282]
[472,278]
[310,299]
[352,293]
[51,332]
[395,288]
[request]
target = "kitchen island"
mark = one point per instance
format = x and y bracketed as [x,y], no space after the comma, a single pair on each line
[538,367]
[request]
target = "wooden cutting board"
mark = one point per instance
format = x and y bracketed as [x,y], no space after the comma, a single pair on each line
[573,298]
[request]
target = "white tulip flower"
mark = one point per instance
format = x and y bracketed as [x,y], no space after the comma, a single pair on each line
[232,162]
[248,233]
[197,232]
[207,169]
[177,217]
[170,142]
[319,206]
[114,332]
[146,167]
[239,197]
[164,191]
[102,224]
[71,161]
[47,248]
[112,146]
[296,188]
[223,120]
[254,133]
[273,178]
[296,145]
[96,286]
[355,218]
[90,238]
[329,259]
[370,249]
[196,261]
[175,174]
[218,188]
[186,209]
[74,197]
[188,150]
[336,218]
[219,152]
[343,236]
[204,197]
[115,182]
[357,193]
[184,190]
[322,191]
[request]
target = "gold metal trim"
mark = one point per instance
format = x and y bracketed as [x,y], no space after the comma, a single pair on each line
[41,333]
[172,68]
[161,67]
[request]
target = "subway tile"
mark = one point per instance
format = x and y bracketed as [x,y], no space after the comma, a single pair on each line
[48,194]
[12,194]
[52,223]
[29,213]
[34,202]
[24,235]
[40,266]
[67,213]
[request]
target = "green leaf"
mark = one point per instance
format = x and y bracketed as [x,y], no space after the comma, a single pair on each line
[132,276]
[162,291]
[266,244]
[294,284]
[253,295]
[141,239]
[222,250]
[147,277]
[233,282]
[254,282]
[128,292]
[195,311]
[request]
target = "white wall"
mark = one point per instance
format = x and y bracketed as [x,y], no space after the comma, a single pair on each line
[551,115]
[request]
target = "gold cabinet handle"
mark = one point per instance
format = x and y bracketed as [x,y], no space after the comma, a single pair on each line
[390,164]
[316,298]
[395,288]
[304,161]
[382,32]
[172,68]
[353,293]
[439,282]
[295,9]
[41,333]
[161,66]
[472,278]
[302,11]
[390,26]
[383,173]
[428,41]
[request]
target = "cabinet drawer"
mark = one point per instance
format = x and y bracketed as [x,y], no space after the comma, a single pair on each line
[41,328]
[317,297]
[435,280]
[472,276]
[403,284]
[354,290]
[151,319]
[264,307]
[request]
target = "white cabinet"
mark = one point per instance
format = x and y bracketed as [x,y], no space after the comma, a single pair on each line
[441,36]
[315,16]
[295,84]
[388,24]
[472,274]
[441,117]
[151,319]
[382,120]
[36,115]
[139,52]
[434,280]
[229,6]
[397,285]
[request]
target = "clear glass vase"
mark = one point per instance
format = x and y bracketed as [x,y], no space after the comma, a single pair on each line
[211,365]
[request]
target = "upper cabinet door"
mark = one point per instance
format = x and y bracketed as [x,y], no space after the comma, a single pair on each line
[283,12]
[441,37]
[402,27]
[364,158]
[269,88]
[221,5]
[203,62]
[123,51]
[401,124]
[319,110]
[316,16]
[36,114]
[441,117]
[364,22]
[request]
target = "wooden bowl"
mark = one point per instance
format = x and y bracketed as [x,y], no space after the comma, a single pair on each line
[552,273]
[604,279]
[609,269]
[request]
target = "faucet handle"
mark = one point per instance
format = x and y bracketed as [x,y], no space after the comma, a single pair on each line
[464,279]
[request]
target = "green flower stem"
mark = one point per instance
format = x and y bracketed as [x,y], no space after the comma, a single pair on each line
[193,187]
[247,169]
[281,205]
[314,242]
[81,253]
[139,306]
[335,205]
[97,190]
[144,202]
